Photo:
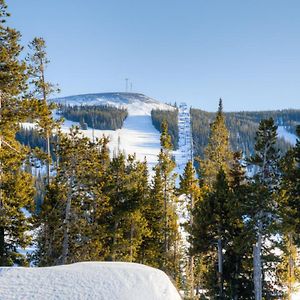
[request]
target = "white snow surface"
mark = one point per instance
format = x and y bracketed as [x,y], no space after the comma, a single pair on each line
[137,136]
[289,137]
[88,280]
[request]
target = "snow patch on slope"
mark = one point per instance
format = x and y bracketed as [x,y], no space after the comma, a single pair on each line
[89,280]
[289,137]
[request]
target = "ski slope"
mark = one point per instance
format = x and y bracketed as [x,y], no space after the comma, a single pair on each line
[88,280]
[137,136]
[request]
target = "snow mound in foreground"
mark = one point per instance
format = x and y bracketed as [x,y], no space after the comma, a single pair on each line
[88,280]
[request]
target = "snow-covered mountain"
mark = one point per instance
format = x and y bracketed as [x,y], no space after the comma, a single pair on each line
[136,104]
[137,135]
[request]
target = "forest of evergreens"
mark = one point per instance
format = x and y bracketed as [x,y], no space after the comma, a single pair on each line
[243,232]
[171,117]
[242,127]
[102,117]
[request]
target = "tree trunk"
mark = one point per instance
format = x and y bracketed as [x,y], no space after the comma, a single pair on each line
[235,295]
[2,247]
[290,266]
[48,157]
[113,254]
[131,241]
[192,257]
[65,249]
[220,268]
[192,277]
[166,246]
[257,273]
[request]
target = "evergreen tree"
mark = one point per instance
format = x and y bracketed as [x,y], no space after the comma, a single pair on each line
[128,190]
[16,185]
[222,238]
[165,172]
[152,249]
[288,200]
[265,161]
[217,152]
[73,217]
[42,89]
[189,187]
[238,263]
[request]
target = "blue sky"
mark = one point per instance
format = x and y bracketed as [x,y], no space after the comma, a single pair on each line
[247,52]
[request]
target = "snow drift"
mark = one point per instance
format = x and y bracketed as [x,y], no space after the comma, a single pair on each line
[88,280]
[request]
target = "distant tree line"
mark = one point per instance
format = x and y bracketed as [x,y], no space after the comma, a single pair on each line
[171,117]
[242,127]
[31,138]
[103,117]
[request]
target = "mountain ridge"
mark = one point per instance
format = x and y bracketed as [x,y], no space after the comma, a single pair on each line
[135,103]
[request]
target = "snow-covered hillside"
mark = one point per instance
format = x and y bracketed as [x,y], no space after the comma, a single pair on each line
[136,104]
[138,135]
[89,280]
[289,137]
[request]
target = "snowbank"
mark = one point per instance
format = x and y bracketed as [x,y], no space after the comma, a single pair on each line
[88,280]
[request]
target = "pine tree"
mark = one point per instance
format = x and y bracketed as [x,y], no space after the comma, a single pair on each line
[138,195]
[152,248]
[265,160]
[190,188]
[238,270]
[127,188]
[73,217]
[42,89]
[217,153]
[165,172]
[16,186]
[220,236]
[288,199]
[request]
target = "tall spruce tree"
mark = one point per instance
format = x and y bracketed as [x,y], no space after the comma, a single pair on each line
[265,180]
[42,89]
[152,248]
[217,154]
[127,188]
[238,270]
[16,186]
[165,170]
[189,187]
[221,236]
[288,200]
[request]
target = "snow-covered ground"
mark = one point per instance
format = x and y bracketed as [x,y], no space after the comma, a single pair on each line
[289,137]
[296,294]
[138,136]
[89,280]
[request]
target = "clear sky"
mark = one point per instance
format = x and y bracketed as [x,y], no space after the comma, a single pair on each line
[245,51]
